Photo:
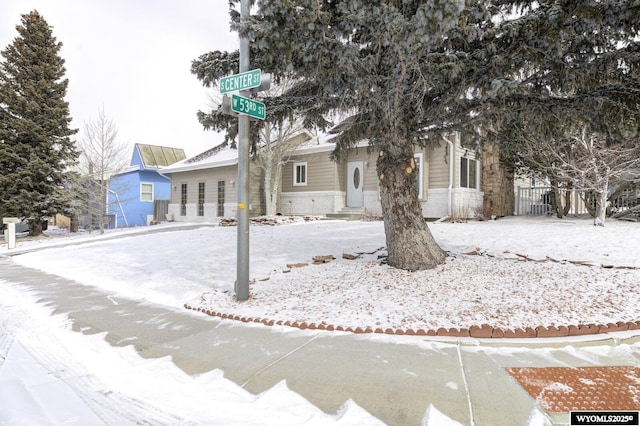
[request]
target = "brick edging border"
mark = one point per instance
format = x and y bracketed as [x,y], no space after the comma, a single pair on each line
[483,331]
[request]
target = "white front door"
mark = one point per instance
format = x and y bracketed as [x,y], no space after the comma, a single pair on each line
[355,178]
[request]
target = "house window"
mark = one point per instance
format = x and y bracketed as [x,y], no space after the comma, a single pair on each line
[468,173]
[220,212]
[419,173]
[183,199]
[201,199]
[299,174]
[146,192]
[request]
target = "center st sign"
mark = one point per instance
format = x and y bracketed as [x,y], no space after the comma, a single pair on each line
[243,81]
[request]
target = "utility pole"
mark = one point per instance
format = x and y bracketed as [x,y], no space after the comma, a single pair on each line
[242,270]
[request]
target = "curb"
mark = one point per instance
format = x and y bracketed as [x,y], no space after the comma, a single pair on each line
[484,331]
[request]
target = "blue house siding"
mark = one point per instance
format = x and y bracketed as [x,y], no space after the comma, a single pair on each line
[128,203]
[132,193]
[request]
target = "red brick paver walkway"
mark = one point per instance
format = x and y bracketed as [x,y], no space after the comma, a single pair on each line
[564,389]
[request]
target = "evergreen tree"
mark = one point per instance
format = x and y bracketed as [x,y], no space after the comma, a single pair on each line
[577,102]
[35,146]
[408,71]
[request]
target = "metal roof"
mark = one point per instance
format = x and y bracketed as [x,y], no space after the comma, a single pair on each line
[154,156]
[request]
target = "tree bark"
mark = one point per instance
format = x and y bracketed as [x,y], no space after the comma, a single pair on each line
[556,199]
[410,244]
[497,183]
[275,189]
[35,227]
[73,222]
[601,203]
[269,200]
[567,200]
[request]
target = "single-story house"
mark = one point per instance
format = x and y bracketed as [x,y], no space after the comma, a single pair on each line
[139,194]
[203,187]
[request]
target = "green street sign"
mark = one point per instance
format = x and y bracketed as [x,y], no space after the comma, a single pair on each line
[242,81]
[247,106]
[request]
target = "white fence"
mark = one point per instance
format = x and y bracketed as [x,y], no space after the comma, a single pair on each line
[537,201]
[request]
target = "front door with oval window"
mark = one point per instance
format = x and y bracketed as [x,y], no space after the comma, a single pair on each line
[355,180]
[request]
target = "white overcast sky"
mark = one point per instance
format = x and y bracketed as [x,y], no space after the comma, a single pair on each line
[133,58]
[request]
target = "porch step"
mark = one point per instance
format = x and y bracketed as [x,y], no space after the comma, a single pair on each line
[347,213]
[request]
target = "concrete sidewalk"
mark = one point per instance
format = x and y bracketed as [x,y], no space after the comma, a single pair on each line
[395,378]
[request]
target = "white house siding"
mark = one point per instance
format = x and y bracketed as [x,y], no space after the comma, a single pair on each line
[311,202]
[437,205]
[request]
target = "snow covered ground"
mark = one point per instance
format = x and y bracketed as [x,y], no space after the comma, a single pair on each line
[519,273]
[500,284]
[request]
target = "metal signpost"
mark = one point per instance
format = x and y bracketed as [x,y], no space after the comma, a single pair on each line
[245,108]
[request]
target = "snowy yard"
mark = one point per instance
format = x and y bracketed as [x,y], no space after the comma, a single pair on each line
[498,273]
[509,273]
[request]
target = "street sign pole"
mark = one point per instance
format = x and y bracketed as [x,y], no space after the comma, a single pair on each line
[242,272]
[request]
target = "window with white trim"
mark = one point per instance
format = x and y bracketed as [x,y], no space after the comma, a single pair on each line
[146,192]
[299,174]
[468,173]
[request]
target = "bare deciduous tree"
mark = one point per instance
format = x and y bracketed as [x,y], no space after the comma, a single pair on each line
[585,160]
[278,141]
[594,165]
[103,154]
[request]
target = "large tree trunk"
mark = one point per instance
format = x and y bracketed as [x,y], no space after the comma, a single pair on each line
[410,244]
[497,183]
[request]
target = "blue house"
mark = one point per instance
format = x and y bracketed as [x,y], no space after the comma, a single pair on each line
[139,195]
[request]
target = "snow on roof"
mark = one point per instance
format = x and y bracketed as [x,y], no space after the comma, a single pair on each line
[215,157]
[219,156]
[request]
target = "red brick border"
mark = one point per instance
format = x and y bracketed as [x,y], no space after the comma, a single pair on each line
[484,331]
